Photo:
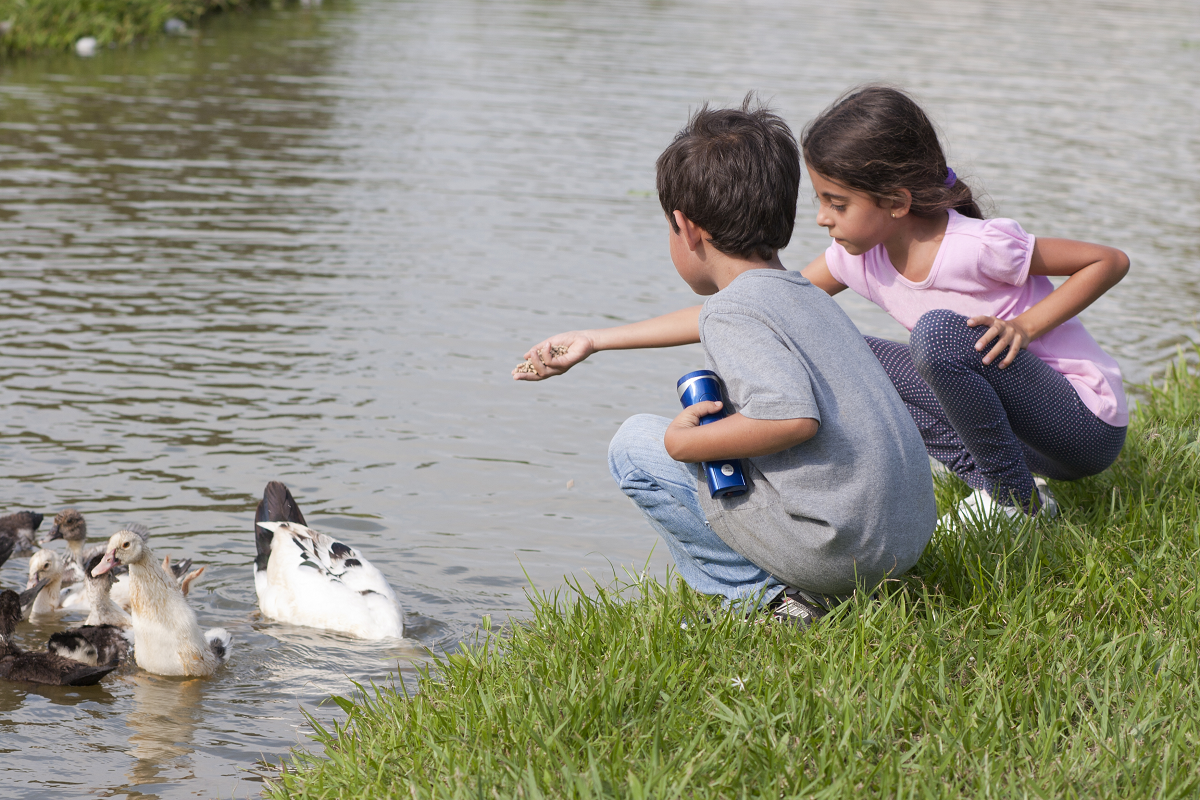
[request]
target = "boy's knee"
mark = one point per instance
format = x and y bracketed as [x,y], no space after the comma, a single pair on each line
[633,438]
[940,338]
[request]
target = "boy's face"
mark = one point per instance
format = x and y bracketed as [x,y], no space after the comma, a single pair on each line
[691,268]
[854,219]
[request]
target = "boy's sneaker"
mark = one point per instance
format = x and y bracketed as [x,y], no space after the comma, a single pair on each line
[793,608]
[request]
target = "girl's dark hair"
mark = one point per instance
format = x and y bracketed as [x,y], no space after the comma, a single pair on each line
[877,140]
[735,172]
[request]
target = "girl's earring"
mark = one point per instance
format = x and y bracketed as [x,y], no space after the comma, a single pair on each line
[893,215]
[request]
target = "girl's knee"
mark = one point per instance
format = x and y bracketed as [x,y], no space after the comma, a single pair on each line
[941,338]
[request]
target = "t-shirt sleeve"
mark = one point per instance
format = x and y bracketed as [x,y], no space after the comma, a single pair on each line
[850,271]
[1006,251]
[764,378]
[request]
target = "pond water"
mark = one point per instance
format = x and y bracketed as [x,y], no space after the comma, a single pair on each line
[310,244]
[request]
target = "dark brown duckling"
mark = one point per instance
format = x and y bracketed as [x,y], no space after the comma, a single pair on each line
[18,534]
[70,526]
[38,667]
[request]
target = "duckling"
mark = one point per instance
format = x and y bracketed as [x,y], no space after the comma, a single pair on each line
[91,644]
[308,578]
[70,526]
[18,534]
[166,637]
[45,668]
[103,610]
[46,565]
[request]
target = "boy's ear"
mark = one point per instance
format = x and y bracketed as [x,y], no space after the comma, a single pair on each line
[693,235]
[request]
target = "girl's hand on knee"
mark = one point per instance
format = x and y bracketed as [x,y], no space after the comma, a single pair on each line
[1007,334]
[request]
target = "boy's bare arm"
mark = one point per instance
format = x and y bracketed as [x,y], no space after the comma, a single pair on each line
[669,330]
[733,437]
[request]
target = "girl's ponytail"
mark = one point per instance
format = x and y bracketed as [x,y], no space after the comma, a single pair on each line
[877,140]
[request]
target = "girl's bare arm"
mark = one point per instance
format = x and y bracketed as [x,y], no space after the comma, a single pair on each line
[819,275]
[669,330]
[1093,269]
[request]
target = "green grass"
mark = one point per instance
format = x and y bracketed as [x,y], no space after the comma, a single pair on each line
[1056,660]
[29,26]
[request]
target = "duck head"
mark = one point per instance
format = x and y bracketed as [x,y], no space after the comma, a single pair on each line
[125,547]
[44,565]
[105,579]
[69,525]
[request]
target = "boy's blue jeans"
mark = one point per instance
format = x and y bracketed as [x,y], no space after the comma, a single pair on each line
[665,491]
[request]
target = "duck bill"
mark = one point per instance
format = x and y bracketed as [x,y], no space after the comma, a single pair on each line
[55,533]
[27,597]
[108,562]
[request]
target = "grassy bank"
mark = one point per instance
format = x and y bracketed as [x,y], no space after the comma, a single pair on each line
[30,26]
[1057,660]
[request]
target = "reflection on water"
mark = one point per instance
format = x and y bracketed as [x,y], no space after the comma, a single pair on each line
[310,244]
[162,721]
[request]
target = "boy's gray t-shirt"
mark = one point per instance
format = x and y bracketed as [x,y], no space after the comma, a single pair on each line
[854,503]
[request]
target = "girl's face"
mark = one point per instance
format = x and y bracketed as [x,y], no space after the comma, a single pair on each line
[854,219]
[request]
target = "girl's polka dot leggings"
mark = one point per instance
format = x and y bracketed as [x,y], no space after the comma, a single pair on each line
[994,427]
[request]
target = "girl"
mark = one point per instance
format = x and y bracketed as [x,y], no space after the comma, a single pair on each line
[999,374]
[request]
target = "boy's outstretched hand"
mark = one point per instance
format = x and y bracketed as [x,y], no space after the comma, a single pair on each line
[554,356]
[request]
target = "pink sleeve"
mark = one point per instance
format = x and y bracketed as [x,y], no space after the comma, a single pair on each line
[1006,252]
[848,270]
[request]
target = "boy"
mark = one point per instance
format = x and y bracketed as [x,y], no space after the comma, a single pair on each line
[841,494]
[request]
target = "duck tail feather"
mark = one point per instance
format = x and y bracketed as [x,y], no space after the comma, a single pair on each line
[277,505]
[219,641]
[88,676]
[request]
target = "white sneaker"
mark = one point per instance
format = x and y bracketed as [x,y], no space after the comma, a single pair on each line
[978,507]
[1048,506]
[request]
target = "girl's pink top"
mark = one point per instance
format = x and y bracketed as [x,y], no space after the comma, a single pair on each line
[982,267]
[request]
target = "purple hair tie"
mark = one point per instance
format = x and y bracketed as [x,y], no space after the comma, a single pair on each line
[951,178]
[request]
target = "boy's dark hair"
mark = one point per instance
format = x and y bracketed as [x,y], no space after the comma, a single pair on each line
[877,140]
[735,173]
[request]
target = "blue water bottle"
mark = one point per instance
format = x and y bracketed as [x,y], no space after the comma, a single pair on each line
[725,478]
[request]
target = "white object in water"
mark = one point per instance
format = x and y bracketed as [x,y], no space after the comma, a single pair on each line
[86,47]
[308,578]
[167,640]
